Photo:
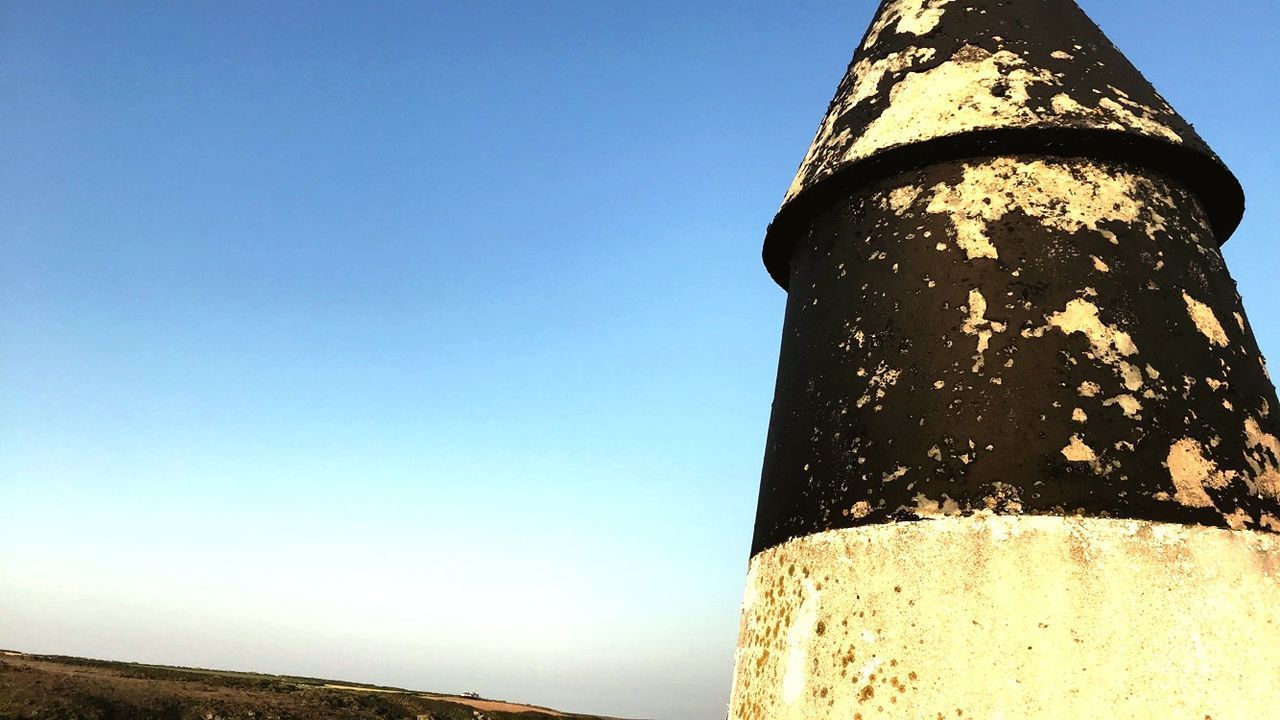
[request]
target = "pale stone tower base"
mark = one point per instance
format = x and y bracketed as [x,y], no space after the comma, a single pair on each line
[1017,617]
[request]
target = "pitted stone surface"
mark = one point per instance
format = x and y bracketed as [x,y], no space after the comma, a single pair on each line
[1035,618]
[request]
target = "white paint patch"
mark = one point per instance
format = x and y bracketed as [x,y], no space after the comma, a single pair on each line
[952,97]
[906,16]
[1077,451]
[977,324]
[868,75]
[1192,472]
[1108,113]
[1140,120]
[1206,322]
[1129,404]
[928,507]
[1131,376]
[1081,316]
[1063,198]
[798,641]
[1263,457]
[901,198]
[897,474]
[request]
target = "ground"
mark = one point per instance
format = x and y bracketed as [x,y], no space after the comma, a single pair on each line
[65,688]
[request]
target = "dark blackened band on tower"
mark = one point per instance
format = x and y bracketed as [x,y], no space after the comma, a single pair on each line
[1005,292]
[1216,189]
[1023,335]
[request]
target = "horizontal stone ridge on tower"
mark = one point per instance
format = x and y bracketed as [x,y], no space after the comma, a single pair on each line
[948,79]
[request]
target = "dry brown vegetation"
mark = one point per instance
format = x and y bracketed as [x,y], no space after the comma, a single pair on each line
[47,687]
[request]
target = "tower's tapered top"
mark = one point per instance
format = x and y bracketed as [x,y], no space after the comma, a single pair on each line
[943,79]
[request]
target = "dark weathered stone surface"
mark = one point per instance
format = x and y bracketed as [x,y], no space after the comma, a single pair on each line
[965,336]
[946,79]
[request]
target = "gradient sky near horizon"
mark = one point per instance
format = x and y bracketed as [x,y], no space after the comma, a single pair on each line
[428,343]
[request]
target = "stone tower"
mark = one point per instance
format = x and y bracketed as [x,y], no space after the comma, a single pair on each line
[1023,458]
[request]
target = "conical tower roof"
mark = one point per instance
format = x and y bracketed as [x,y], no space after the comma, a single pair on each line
[937,80]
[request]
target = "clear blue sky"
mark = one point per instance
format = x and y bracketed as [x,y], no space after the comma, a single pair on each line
[428,343]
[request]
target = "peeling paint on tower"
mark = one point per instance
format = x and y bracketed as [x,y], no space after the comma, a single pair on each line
[1018,399]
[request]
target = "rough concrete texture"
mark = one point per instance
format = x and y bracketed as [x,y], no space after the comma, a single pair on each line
[1017,334]
[1012,617]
